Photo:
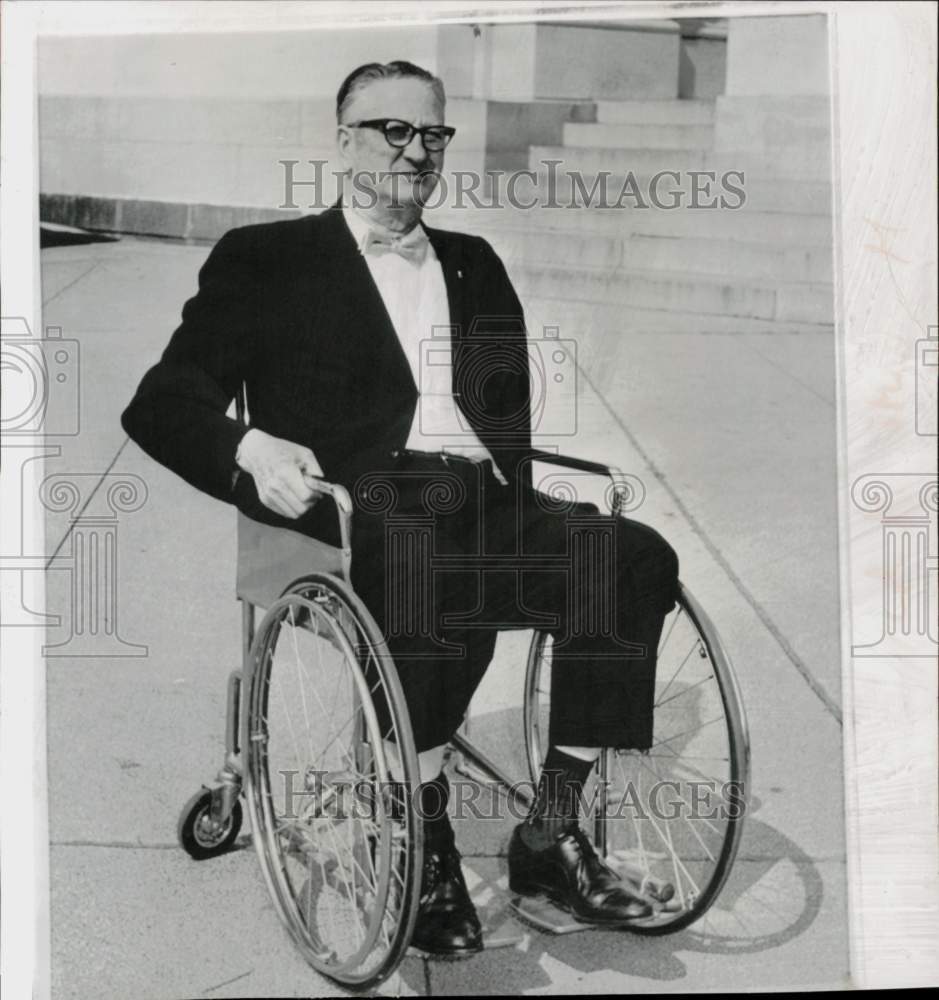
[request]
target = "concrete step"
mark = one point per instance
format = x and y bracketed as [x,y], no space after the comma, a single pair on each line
[729,259]
[574,178]
[678,291]
[779,228]
[642,162]
[808,163]
[582,321]
[809,160]
[771,124]
[632,136]
[655,112]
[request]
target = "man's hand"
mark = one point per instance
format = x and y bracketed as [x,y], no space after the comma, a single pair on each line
[284,473]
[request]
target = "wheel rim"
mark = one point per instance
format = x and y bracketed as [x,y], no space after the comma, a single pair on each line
[202,829]
[340,868]
[673,814]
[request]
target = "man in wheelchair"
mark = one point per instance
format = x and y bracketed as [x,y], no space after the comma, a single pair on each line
[390,357]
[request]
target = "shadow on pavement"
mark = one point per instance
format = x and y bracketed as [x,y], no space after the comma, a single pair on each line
[57,236]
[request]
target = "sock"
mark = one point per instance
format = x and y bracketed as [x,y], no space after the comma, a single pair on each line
[430,762]
[432,800]
[557,799]
[582,753]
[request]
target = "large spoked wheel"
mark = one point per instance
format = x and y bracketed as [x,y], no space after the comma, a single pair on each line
[671,816]
[327,735]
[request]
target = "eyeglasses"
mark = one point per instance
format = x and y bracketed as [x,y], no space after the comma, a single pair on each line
[399,134]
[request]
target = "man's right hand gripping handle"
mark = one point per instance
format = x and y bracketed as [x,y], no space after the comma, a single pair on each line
[284,473]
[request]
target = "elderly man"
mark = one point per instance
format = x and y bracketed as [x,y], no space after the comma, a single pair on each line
[322,320]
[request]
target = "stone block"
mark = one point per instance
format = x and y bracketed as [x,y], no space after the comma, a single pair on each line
[153,218]
[318,122]
[642,162]
[83,212]
[222,120]
[267,178]
[66,116]
[607,136]
[638,60]
[702,68]
[770,124]
[785,55]
[683,112]
[209,222]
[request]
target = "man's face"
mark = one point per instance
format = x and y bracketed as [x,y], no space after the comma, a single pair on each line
[403,178]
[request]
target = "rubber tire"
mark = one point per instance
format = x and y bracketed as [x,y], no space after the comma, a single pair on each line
[192,811]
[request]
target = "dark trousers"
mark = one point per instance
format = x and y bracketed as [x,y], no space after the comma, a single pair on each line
[444,556]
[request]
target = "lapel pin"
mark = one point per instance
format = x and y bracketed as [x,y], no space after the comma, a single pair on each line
[459,273]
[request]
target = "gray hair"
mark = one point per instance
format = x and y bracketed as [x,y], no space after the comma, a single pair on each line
[360,78]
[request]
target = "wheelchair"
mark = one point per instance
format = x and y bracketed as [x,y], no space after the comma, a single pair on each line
[318,739]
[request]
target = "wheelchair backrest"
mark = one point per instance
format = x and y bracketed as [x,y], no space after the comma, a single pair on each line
[269,559]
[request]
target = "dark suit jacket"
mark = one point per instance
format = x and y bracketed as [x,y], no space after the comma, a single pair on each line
[290,310]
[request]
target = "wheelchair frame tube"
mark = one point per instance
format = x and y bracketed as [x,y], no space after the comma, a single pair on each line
[233,716]
[247,634]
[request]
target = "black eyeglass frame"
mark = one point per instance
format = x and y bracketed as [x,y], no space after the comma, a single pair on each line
[446,132]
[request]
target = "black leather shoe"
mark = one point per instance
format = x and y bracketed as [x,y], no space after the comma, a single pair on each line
[571,875]
[447,923]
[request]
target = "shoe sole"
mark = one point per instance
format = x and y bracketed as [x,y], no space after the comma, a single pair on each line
[445,956]
[539,892]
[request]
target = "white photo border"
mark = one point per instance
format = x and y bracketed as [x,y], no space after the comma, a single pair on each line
[883,68]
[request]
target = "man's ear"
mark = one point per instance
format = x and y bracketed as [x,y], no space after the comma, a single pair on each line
[344,140]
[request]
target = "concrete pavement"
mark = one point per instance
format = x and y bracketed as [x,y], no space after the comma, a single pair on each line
[734,438]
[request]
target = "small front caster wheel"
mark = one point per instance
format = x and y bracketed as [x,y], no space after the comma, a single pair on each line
[202,837]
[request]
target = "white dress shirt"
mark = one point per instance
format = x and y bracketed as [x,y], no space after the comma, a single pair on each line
[415,296]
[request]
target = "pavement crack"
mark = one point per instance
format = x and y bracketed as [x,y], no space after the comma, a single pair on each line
[785,371]
[125,845]
[817,689]
[84,506]
[228,982]
[71,284]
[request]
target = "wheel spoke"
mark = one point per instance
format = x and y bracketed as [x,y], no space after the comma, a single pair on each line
[671,628]
[694,646]
[691,687]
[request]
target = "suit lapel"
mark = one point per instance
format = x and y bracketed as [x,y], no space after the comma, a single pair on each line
[360,307]
[449,252]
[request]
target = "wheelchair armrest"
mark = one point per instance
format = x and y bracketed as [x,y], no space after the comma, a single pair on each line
[581,464]
[626,489]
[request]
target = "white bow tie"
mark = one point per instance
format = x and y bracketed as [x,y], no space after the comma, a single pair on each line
[412,247]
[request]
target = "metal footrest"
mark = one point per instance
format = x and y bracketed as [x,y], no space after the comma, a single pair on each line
[544,916]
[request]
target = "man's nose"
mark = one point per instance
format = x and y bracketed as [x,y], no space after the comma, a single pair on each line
[414,150]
